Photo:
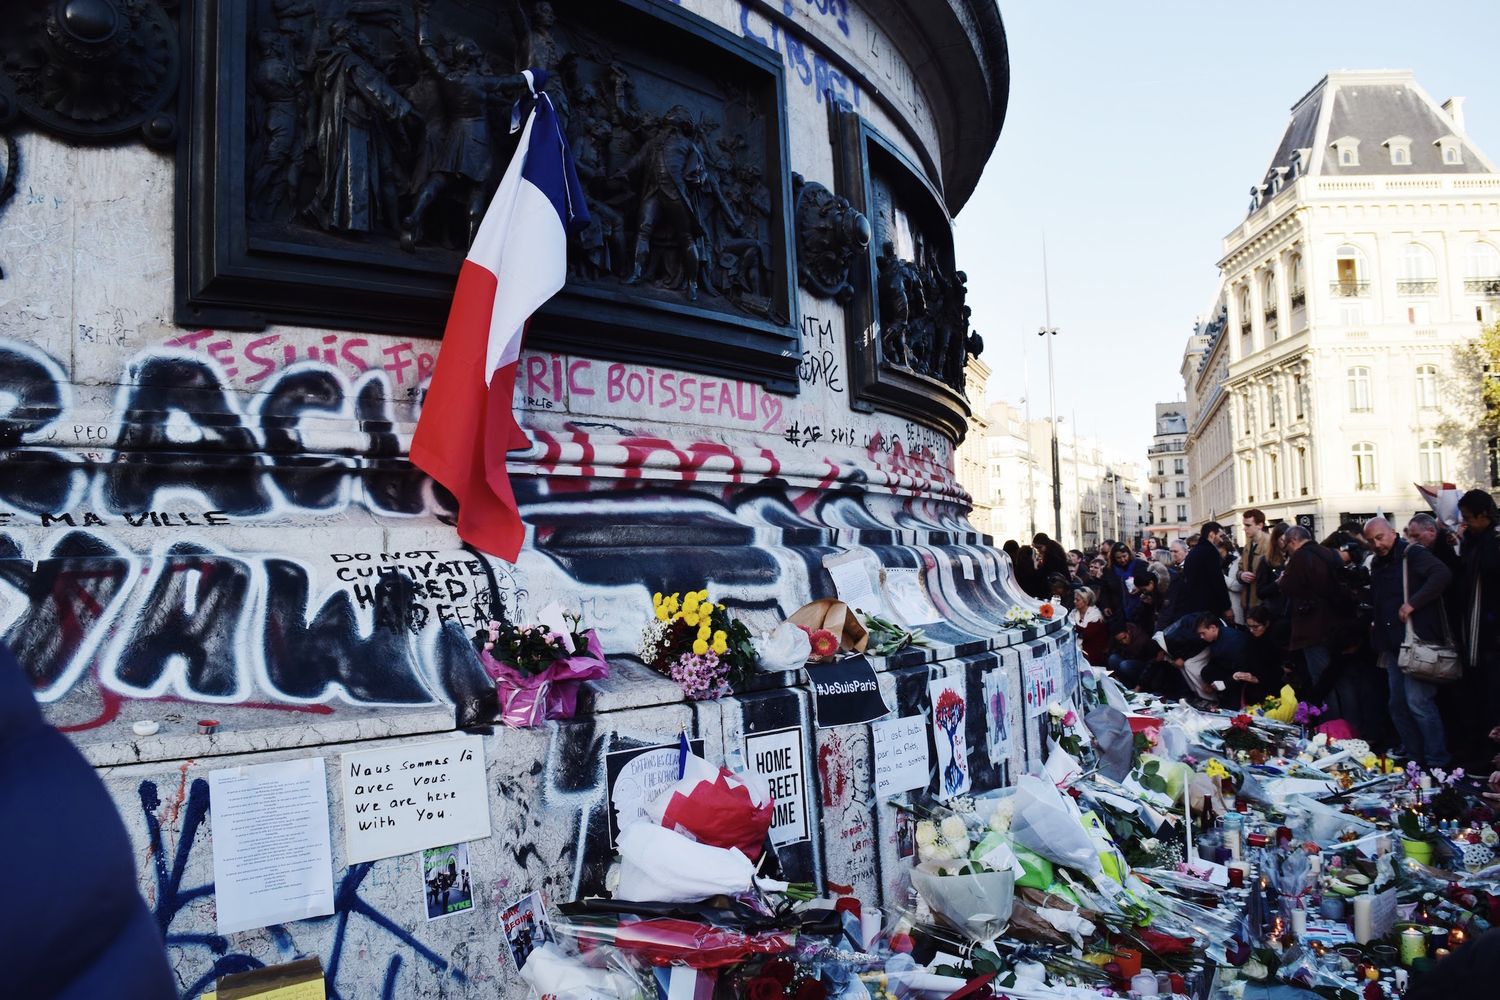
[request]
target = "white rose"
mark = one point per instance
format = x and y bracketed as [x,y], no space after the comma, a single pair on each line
[1055,710]
[1001,817]
[1255,970]
[956,834]
[933,853]
[1150,844]
[926,833]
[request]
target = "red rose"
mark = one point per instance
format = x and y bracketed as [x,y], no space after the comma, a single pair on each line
[811,989]
[902,942]
[1240,722]
[764,988]
[780,970]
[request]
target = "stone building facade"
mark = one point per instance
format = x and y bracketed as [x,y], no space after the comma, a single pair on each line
[1369,261]
[220,309]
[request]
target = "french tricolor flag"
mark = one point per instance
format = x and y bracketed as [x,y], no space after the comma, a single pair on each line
[518,261]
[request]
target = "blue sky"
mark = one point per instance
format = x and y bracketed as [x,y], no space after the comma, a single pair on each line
[1134,133]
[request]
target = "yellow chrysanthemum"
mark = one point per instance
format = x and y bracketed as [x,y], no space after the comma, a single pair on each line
[690,618]
[661,614]
[720,646]
[700,647]
[691,600]
[656,599]
[720,636]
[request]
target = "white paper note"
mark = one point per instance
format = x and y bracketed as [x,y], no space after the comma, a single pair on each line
[908,601]
[400,799]
[852,580]
[900,754]
[272,859]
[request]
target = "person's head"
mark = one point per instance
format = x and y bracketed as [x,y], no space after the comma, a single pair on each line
[1075,560]
[1145,581]
[1083,599]
[1057,583]
[1179,552]
[1207,627]
[1011,547]
[1422,529]
[1192,539]
[1122,633]
[1040,539]
[1258,620]
[1254,522]
[1098,565]
[1213,531]
[1120,555]
[1477,508]
[1296,536]
[1106,547]
[1352,553]
[1380,535]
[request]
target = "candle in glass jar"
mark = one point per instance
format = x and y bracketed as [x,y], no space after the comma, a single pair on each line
[1413,945]
[1456,937]
[1299,921]
[1144,985]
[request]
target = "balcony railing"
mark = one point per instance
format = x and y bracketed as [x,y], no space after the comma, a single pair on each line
[1270,315]
[1423,287]
[1299,297]
[1244,326]
[1350,289]
[1482,286]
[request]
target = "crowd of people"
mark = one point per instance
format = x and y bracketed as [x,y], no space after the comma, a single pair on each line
[1226,625]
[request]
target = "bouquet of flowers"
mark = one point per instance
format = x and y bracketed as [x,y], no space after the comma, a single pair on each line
[1019,618]
[887,637]
[1239,735]
[537,669]
[696,643]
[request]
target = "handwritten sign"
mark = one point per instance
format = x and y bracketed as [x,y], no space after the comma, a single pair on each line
[401,799]
[846,693]
[900,755]
[777,757]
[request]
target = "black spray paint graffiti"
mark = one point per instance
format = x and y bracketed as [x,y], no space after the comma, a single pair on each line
[172,901]
[181,429]
[819,365]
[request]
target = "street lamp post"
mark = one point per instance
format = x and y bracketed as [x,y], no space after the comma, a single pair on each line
[1049,332]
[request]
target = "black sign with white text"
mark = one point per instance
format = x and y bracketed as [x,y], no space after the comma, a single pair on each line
[846,692]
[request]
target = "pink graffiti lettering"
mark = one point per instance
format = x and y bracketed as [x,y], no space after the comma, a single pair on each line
[258,359]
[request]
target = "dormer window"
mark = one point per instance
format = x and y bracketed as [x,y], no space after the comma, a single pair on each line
[1346,151]
[1400,147]
[1452,150]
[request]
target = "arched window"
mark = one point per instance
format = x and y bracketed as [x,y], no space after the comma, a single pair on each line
[1359,390]
[1294,272]
[1364,465]
[1483,268]
[1349,266]
[1427,386]
[1418,271]
[1430,461]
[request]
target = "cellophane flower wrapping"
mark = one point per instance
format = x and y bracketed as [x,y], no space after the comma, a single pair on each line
[553,970]
[530,699]
[657,864]
[977,905]
[717,807]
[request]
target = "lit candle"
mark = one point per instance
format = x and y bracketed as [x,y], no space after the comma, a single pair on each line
[1426,782]
[1363,923]
[1413,945]
[1456,937]
[1441,953]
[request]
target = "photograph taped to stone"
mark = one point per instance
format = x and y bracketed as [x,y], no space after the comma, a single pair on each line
[446,885]
[523,924]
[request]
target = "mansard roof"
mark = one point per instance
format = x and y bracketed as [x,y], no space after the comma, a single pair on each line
[1370,106]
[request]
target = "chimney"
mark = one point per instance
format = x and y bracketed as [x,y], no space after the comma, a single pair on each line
[1453,107]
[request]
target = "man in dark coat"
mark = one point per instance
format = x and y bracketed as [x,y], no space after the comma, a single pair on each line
[1479,599]
[73,925]
[1203,588]
[1406,591]
[1231,667]
[1310,588]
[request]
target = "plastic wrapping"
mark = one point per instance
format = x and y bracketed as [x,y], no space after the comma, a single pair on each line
[1049,823]
[663,865]
[978,905]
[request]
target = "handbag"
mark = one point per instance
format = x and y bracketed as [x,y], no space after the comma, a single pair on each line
[1419,659]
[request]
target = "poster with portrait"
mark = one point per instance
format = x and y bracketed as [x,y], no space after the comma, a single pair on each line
[950,710]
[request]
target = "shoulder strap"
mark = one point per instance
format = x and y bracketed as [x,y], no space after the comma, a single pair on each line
[1405,598]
